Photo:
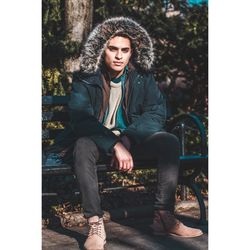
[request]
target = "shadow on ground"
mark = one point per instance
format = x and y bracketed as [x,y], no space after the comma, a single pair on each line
[126,234]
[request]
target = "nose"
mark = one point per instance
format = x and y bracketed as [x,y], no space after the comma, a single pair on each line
[118,54]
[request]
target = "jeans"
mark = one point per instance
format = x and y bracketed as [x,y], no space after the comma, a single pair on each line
[162,146]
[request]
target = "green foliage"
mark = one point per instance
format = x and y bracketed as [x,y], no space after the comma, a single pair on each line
[55,47]
[180,43]
[53,33]
[52,82]
[55,44]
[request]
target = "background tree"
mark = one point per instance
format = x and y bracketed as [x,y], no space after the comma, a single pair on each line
[65,25]
[78,22]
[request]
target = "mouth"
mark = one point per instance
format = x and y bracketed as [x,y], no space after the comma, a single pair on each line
[118,63]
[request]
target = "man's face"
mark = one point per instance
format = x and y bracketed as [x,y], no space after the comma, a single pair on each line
[117,55]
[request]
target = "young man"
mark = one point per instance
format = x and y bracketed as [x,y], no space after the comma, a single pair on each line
[117,110]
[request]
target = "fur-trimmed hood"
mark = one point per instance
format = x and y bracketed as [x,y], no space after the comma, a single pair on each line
[93,50]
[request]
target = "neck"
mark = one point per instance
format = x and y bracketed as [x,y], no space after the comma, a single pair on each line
[115,74]
[110,74]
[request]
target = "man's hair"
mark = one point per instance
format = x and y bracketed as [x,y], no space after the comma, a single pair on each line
[123,34]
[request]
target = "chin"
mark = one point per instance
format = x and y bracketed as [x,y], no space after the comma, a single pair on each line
[118,68]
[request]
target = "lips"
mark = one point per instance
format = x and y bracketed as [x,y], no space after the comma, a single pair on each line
[118,63]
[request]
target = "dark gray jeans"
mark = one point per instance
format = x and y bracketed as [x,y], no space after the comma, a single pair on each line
[162,146]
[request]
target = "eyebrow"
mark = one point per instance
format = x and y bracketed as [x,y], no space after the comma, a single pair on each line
[114,47]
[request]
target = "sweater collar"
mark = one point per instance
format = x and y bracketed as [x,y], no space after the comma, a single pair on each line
[122,77]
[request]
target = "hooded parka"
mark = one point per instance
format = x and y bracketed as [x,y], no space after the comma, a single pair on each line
[144,106]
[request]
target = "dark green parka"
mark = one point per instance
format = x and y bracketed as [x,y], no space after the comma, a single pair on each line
[144,106]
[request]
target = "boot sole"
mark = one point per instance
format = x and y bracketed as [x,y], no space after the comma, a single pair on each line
[175,235]
[98,249]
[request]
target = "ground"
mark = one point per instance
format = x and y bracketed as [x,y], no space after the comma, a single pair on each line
[128,234]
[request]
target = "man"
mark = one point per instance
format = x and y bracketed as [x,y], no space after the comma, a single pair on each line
[117,110]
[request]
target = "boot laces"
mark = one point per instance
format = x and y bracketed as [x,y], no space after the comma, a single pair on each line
[96,228]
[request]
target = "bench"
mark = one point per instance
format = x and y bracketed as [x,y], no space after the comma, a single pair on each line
[191,164]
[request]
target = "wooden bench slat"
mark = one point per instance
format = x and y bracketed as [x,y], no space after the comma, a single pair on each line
[101,165]
[55,100]
[61,116]
[50,133]
[189,161]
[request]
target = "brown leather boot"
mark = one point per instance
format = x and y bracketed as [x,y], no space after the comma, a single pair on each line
[165,223]
[97,235]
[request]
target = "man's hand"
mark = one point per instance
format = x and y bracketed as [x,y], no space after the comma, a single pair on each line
[122,159]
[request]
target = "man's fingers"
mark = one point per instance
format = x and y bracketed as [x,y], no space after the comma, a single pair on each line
[123,165]
[120,165]
[131,165]
[126,166]
[124,160]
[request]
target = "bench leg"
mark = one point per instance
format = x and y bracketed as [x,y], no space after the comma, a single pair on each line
[198,194]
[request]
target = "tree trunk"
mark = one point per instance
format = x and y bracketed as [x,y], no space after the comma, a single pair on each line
[78,20]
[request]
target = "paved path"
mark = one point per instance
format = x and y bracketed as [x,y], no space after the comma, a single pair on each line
[129,234]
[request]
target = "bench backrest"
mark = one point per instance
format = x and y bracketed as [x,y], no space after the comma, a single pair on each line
[54,116]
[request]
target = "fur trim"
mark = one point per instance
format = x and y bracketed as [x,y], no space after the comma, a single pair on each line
[96,43]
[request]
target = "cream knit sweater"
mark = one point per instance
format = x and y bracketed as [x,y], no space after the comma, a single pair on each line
[114,102]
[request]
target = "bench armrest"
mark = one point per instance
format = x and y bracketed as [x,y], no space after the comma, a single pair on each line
[180,122]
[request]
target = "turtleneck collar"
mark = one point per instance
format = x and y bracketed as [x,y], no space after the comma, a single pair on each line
[119,79]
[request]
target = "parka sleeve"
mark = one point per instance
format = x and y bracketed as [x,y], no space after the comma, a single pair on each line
[153,115]
[83,121]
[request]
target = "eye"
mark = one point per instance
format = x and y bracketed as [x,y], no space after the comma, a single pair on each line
[125,50]
[112,49]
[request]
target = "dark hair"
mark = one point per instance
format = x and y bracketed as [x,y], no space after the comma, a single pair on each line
[122,34]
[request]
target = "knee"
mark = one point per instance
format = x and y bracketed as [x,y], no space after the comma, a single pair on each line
[167,141]
[173,139]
